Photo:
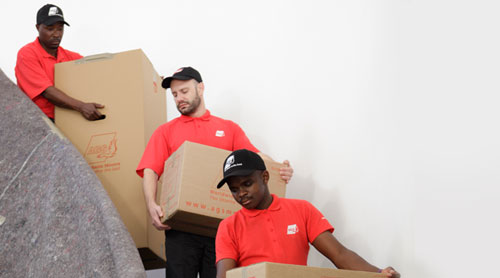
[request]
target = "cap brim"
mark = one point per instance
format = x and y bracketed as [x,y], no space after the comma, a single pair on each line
[166,82]
[54,20]
[242,173]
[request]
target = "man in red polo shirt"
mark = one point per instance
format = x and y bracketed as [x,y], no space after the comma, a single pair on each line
[272,229]
[188,254]
[35,66]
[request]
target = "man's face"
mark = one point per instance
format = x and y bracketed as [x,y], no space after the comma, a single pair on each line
[50,36]
[251,191]
[186,94]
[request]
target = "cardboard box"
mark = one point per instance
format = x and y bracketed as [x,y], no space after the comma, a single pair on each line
[188,193]
[135,105]
[274,270]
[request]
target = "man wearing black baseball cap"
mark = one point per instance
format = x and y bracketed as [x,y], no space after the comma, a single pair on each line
[35,66]
[272,229]
[185,73]
[188,254]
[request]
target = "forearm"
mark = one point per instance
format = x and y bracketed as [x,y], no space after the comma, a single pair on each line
[223,266]
[59,98]
[348,259]
[149,184]
[339,255]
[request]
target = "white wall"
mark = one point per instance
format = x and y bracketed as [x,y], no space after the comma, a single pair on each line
[388,110]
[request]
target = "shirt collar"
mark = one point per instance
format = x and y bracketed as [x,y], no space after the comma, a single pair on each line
[204,117]
[275,205]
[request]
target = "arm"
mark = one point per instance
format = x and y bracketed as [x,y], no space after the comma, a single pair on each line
[344,258]
[241,141]
[285,172]
[223,266]
[59,98]
[149,183]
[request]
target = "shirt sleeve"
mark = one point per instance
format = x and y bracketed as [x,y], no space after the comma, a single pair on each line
[316,222]
[30,74]
[241,141]
[155,154]
[225,243]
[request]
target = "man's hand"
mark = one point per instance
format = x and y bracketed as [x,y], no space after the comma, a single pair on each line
[89,111]
[156,214]
[286,172]
[390,272]
[149,184]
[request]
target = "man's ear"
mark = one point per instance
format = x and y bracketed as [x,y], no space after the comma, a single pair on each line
[265,176]
[201,88]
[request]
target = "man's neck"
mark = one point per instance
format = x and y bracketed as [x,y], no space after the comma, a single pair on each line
[51,51]
[198,113]
[268,200]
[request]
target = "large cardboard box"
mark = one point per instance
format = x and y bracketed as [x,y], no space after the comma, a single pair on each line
[188,192]
[274,270]
[135,105]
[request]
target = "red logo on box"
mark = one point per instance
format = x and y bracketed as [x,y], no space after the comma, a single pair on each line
[101,147]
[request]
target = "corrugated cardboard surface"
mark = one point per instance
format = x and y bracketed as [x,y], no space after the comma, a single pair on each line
[274,270]
[191,200]
[135,105]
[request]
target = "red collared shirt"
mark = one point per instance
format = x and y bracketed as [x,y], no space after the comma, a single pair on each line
[280,233]
[35,72]
[207,129]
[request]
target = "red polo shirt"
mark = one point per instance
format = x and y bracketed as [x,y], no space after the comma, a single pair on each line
[35,72]
[280,233]
[207,129]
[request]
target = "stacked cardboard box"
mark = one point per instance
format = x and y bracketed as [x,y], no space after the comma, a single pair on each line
[188,191]
[135,105]
[274,270]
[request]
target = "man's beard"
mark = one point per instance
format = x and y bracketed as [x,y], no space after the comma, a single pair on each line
[192,106]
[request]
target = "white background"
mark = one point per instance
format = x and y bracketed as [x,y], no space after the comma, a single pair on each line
[388,110]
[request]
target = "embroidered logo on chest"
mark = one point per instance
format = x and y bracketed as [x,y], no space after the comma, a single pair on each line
[220,133]
[292,229]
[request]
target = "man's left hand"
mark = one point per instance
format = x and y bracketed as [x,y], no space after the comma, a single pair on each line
[286,172]
[390,272]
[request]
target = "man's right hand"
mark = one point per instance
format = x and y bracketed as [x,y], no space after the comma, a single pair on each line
[89,111]
[156,214]
[149,184]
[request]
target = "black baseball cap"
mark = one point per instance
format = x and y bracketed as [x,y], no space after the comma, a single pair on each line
[241,163]
[49,15]
[184,73]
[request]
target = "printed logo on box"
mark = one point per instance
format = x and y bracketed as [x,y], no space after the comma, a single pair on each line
[102,147]
[292,229]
